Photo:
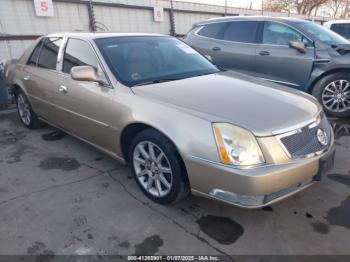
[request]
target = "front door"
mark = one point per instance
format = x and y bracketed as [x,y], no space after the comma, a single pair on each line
[81,110]
[277,61]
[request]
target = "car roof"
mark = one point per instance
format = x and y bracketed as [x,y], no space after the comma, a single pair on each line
[252,18]
[337,22]
[87,35]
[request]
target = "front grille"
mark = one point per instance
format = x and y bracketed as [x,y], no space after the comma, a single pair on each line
[305,142]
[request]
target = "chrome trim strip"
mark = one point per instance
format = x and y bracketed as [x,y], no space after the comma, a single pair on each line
[317,122]
[297,126]
[321,60]
[279,82]
[60,56]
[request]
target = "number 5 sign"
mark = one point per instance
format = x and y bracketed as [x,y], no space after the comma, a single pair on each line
[43,7]
[158,14]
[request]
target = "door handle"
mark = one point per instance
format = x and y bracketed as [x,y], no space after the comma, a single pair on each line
[264,53]
[26,78]
[216,48]
[63,89]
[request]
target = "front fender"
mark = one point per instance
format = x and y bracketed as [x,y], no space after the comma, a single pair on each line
[192,135]
[323,69]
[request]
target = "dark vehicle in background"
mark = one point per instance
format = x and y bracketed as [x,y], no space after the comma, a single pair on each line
[341,27]
[289,51]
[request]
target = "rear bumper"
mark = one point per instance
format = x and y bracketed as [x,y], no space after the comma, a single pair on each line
[261,186]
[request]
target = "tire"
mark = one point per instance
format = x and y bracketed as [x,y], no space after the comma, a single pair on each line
[25,112]
[327,90]
[177,179]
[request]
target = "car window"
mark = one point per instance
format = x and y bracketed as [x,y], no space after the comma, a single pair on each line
[342,29]
[78,53]
[279,34]
[49,53]
[33,59]
[241,31]
[214,30]
[136,60]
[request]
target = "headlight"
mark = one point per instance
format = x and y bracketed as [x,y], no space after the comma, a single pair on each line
[237,146]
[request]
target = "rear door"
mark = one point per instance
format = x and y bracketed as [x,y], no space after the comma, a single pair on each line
[206,37]
[277,61]
[230,45]
[236,51]
[40,76]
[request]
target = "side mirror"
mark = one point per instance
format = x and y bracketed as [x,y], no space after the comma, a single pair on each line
[86,73]
[298,45]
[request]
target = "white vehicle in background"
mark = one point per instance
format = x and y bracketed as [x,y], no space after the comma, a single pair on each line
[342,27]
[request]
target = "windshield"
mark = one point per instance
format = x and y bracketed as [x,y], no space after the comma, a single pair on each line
[137,60]
[322,34]
[343,29]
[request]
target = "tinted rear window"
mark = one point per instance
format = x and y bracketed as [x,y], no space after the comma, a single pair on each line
[49,53]
[213,30]
[35,54]
[241,31]
[342,29]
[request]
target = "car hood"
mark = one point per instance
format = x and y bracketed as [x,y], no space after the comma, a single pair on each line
[260,106]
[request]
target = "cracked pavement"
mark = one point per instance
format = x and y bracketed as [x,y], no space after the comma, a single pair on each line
[59,195]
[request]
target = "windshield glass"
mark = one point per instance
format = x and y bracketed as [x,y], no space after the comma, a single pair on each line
[137,60]
[343,29]
[322,34]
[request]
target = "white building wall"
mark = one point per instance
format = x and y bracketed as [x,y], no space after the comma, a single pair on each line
[130,20]
[17,17]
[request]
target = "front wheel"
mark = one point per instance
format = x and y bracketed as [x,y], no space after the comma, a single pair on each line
[25,112]
[157,167]
[333,92]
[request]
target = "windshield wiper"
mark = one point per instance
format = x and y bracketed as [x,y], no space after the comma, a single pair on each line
[162,80]
[157,81]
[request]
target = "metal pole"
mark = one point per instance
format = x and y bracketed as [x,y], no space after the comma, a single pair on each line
[225,7]
[262,7]
[92,16]
[172,19]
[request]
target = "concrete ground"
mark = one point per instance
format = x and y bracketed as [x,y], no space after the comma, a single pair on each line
[61,196]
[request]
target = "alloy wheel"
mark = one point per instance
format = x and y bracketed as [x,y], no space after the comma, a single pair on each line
[24,109]
[152,169]
[336,96]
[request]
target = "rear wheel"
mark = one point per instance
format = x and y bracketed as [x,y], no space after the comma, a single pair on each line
[25,112]
[333,92]
[157,167]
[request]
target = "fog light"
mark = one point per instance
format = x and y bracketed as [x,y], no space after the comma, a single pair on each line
[243,200]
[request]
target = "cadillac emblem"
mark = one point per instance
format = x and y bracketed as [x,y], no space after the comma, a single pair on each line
[322,137]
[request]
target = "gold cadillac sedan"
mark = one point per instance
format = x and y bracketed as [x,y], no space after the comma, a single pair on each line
[183,124]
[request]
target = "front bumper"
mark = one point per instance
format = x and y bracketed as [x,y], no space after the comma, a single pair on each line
[257,187]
